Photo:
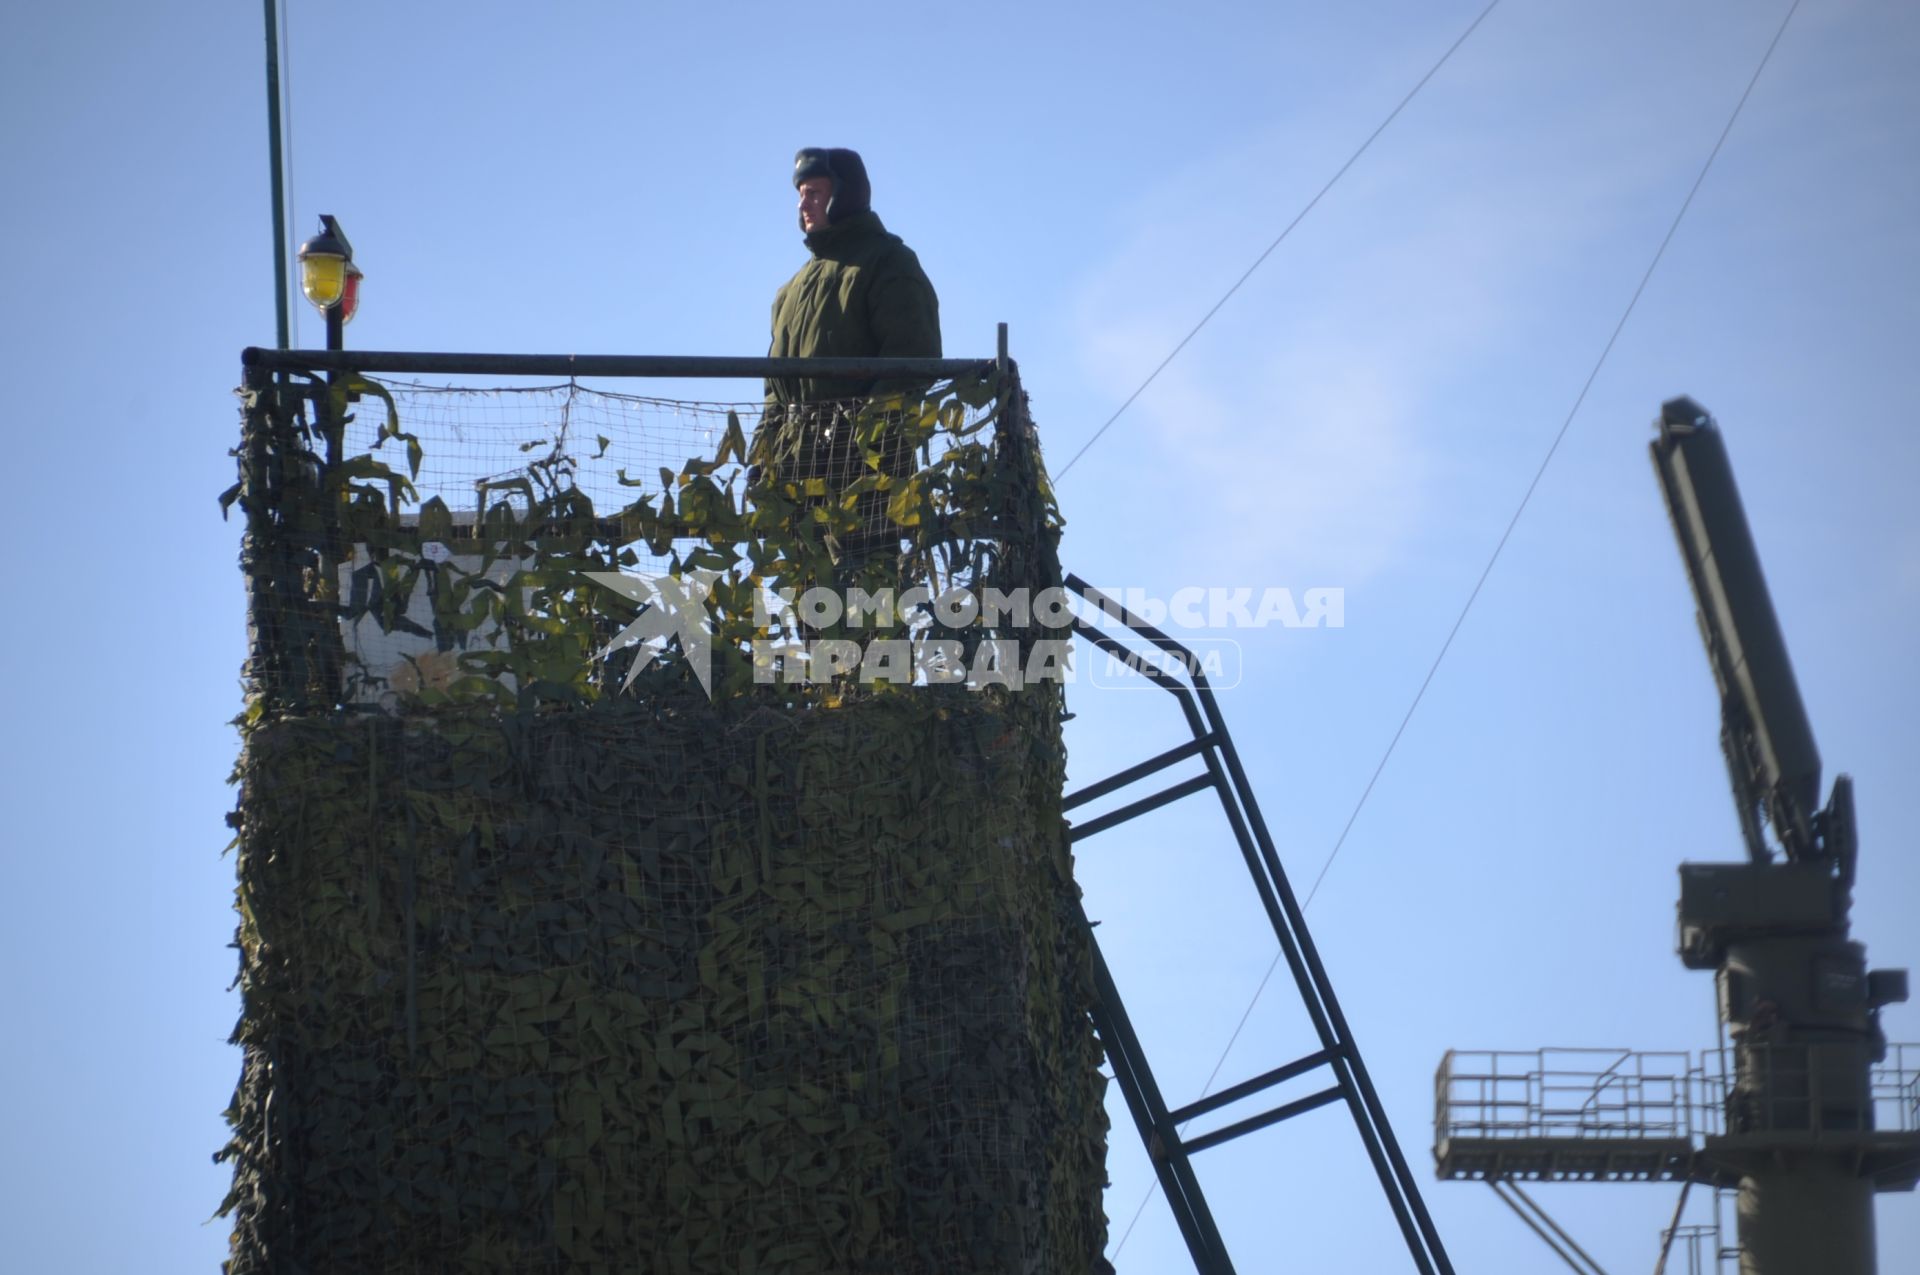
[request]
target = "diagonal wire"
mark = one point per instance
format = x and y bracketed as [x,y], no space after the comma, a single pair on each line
[1297,219]
[1554,447]
[1493,558]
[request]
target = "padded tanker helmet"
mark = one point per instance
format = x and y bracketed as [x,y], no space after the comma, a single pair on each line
[852,194]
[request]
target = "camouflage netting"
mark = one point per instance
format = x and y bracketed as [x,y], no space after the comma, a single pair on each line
[673,989]
[565,979]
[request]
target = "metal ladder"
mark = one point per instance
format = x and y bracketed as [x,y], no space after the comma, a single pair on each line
[1338,1055]
[1706,1251]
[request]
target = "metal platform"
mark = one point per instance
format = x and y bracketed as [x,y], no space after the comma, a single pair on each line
[1619,1115]
[1561,1115]
[1566,1159]
[1889,1159]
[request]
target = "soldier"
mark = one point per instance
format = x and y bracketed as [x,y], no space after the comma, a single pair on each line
[861,295]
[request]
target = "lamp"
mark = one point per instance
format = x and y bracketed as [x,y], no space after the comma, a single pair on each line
[329,279]
[350,294]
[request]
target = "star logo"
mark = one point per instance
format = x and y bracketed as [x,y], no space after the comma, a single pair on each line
[670,607]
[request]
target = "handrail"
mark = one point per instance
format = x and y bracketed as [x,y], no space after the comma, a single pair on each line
[1224,773]
[1711,1094]
[694,366]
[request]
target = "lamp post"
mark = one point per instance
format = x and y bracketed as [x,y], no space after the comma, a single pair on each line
[331,282]
[329,278]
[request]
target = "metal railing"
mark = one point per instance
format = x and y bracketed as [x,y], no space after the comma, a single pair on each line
[354,603]
[1564,1093]
[1600,1094]
[1812,1088]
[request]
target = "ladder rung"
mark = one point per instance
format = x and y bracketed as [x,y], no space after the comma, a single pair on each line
[1284,1112]
[1115,782]
[1246,1088]
[1198,783]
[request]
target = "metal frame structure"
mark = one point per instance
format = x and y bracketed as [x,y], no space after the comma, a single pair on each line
[1802,1114]
[1618,1115]
[1645,1115]
[1159,1126]
[1210,744]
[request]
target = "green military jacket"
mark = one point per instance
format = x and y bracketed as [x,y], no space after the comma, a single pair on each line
[862,295]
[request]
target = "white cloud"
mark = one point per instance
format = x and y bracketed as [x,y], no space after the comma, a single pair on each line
[1307,425]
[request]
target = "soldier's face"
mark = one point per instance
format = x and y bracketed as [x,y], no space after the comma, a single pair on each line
[814,194]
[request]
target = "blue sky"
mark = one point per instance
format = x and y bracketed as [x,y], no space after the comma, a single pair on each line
[1364,414]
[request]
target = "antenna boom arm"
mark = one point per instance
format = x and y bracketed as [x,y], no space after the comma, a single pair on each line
[1771,756]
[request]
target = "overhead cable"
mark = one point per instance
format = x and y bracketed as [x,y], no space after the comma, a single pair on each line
[1297,219]
[1493,558]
